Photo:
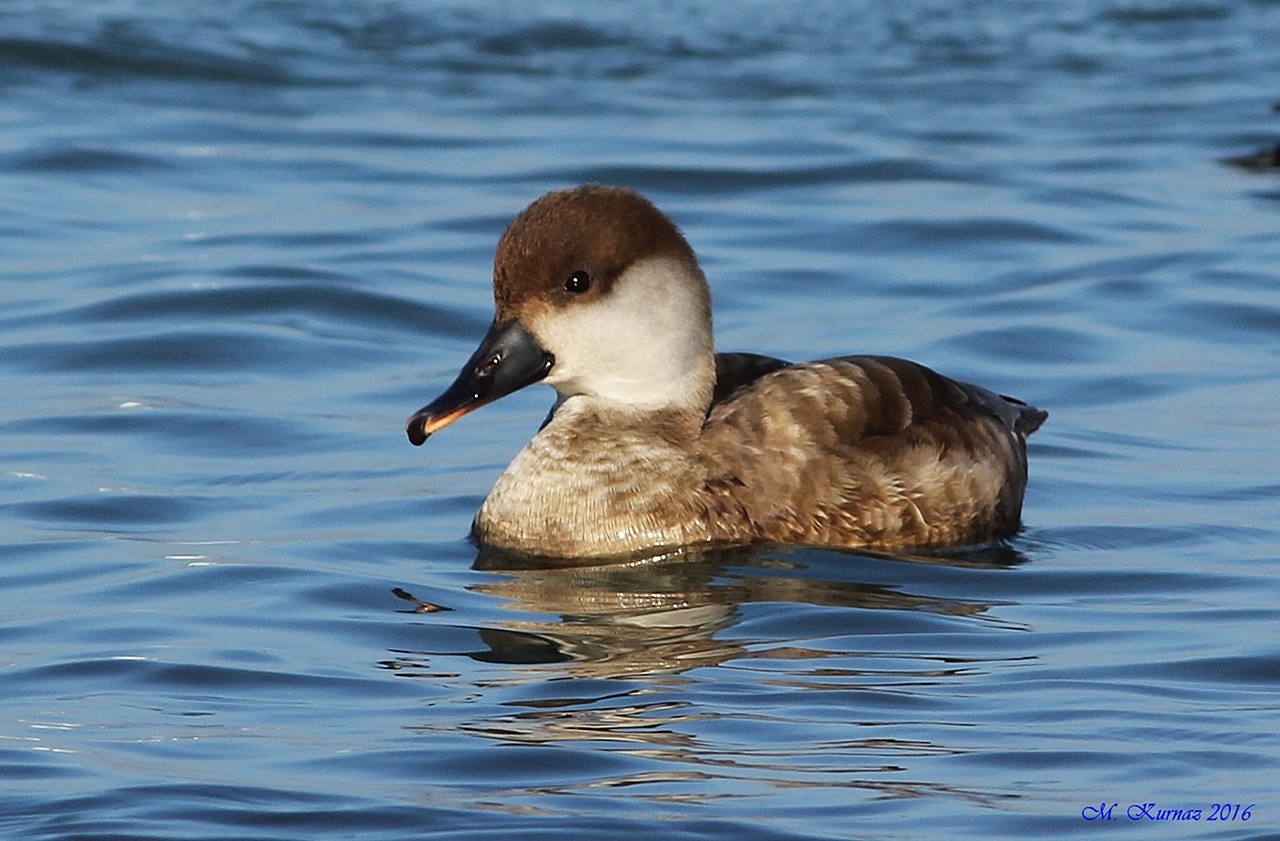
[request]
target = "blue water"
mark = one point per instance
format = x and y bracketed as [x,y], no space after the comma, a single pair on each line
[240,242]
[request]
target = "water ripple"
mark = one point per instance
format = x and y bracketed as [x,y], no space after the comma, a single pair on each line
[128,51]
[306,294]
[114,512]
[181,350]
[85,159]
[703,180]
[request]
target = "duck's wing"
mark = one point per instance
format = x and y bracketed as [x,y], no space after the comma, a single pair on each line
[905,394]
[944,395]
[872,450]
[857,397]
[734,370]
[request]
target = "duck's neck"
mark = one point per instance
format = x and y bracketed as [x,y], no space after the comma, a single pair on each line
[589,420]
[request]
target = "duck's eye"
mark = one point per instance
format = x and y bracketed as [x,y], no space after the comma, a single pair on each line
[578,282]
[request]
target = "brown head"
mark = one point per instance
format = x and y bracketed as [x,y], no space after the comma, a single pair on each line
[598,294]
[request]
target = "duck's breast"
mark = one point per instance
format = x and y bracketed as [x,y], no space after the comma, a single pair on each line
[591,486]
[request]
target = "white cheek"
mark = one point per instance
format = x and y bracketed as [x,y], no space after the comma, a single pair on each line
[648,341]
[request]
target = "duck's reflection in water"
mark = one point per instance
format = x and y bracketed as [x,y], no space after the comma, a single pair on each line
[829,684]
[666,615]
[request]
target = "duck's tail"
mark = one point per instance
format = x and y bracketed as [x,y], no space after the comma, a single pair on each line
[1028,419]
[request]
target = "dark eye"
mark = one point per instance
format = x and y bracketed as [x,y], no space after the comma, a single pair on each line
[578,282]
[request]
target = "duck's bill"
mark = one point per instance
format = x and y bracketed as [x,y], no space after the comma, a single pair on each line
[509,358]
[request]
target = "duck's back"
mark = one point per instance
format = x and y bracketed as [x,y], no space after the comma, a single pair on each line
[862,451]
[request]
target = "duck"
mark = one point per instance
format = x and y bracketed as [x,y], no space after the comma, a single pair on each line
[656,443]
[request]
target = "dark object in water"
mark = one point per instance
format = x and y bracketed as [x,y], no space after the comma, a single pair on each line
[1258,161]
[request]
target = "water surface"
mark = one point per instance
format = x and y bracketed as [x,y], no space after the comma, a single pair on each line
[243,241]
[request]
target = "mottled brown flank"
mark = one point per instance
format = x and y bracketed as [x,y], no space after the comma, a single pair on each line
[597,229]
[869,451]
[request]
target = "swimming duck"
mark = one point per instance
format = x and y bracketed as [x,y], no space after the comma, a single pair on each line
[657,442]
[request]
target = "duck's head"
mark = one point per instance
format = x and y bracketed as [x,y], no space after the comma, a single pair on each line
[598,294]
